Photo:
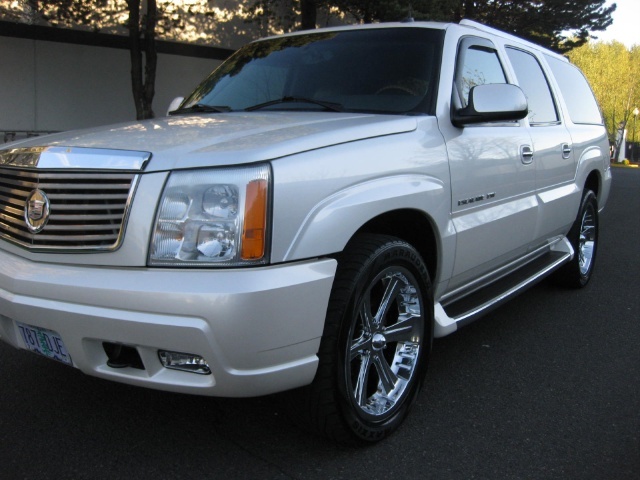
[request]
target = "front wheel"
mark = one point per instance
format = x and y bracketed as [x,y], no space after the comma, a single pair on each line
[376,342]
[584,239]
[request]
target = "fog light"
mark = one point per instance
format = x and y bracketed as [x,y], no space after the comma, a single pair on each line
[186,362]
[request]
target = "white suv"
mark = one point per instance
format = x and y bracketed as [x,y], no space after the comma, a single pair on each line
[315,213]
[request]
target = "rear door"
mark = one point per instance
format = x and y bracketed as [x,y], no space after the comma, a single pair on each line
[553,156]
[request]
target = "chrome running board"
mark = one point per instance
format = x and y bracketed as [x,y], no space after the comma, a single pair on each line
[452,314]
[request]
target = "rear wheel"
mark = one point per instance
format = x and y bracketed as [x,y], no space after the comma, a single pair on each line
[376,342]
[584,239]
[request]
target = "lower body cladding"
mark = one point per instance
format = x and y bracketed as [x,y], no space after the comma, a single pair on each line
[257,330]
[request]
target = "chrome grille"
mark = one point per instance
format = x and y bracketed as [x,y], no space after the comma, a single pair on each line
[87,209]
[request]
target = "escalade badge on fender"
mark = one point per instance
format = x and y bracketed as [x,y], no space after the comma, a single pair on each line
[36,211]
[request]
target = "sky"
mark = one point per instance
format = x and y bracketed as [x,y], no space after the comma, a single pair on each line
[626,20]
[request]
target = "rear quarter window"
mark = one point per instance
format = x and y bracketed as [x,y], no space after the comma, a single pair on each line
[576,91]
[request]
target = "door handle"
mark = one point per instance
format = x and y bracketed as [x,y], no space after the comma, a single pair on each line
[526,154]
[566,150]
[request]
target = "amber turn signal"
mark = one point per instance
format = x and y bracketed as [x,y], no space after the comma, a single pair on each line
[255,220]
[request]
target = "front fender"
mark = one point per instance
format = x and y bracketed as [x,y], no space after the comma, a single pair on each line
[332,222]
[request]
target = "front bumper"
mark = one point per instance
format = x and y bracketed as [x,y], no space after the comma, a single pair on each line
[259,329]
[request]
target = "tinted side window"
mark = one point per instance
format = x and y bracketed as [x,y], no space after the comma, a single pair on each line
[534,83]
[477,65]
[577,94]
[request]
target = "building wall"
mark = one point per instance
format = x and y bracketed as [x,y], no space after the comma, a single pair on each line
[54,86]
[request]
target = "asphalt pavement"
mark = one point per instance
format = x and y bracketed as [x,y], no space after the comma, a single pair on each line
[546,387]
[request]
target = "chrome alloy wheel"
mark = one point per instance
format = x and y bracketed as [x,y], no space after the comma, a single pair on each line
[385,341]
[587,239]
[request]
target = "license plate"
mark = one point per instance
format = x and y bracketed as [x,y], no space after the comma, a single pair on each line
[44,342]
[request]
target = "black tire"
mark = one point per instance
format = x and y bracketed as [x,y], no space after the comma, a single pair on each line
[584,240]
[372,365]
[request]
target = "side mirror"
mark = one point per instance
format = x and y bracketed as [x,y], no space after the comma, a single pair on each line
[175,103]
[496,102]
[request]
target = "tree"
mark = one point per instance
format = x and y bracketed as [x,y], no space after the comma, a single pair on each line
[288,15]
[558,24]
[613,71]
[374,10]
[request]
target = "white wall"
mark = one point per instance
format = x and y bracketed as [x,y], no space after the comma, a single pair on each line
[52,86]
[177,76]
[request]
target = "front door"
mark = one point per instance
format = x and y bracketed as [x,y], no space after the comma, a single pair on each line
[492,175]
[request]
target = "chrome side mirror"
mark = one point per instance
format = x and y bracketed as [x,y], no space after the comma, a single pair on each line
[175,103]
[496,102]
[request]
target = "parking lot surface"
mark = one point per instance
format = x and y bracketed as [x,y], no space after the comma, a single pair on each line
[546,387]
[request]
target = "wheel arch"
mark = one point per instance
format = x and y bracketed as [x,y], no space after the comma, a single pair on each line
[594,174]
[390,206]
[412,226]
[593,182]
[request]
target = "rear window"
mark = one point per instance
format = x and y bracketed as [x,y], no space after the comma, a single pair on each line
[577,93]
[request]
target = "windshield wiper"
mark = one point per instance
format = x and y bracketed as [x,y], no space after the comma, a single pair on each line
[200,108]
[334,107]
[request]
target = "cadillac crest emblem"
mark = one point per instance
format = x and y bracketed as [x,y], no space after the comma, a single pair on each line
[36,211]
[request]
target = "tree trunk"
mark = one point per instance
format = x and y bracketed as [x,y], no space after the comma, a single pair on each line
[623,125]
[458,11]
[469,9]
[151,57]
[143,53]
[308,14]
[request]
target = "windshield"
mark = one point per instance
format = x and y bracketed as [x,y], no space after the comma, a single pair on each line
[389,70]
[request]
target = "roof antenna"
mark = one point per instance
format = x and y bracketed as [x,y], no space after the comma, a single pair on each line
[409,19]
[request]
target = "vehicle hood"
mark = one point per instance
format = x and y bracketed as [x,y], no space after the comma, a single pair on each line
[188,141]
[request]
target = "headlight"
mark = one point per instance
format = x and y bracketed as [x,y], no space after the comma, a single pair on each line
[213,217]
